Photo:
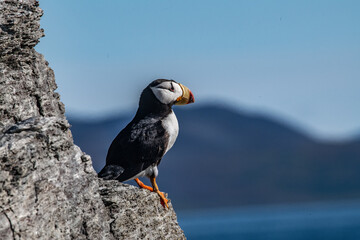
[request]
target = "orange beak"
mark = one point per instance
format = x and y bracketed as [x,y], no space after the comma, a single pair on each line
[187,96]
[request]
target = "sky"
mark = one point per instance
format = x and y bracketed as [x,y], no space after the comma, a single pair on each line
[295,60]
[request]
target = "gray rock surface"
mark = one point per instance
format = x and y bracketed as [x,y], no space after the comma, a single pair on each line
[139,212]
[48,187]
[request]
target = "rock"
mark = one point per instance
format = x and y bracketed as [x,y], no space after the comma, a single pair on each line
[45,191]
[135,215]
[48,187]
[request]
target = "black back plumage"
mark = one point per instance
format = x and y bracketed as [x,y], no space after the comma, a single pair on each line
[141,143]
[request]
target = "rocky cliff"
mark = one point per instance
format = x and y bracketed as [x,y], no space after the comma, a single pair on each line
[48,187]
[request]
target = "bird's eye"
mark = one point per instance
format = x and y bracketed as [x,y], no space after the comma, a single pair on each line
[172,88]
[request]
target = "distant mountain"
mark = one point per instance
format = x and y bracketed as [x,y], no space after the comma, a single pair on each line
[227,158]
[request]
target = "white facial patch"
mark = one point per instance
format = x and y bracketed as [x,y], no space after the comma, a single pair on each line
[167,92]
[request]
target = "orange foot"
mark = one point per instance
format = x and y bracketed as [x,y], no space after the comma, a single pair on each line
[163,200]
[142,185]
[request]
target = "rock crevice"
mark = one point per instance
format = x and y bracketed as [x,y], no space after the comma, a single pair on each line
[48,187]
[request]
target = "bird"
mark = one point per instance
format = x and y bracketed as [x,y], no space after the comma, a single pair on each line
[139,148]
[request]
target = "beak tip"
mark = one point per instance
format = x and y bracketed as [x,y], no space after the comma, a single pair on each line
[191,99]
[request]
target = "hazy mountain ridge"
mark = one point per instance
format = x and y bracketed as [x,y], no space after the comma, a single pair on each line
[244,158]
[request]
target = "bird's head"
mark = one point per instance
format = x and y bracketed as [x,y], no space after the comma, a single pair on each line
[169,92]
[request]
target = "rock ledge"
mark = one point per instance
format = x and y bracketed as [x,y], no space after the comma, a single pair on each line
[48,187]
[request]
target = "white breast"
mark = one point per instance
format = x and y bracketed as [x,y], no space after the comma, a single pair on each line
[171,125]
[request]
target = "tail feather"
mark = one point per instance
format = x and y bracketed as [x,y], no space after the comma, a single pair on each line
[111,172]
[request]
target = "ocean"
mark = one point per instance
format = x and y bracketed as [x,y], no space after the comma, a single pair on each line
[310,221]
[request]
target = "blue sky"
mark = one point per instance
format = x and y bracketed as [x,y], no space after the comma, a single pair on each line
[296,60]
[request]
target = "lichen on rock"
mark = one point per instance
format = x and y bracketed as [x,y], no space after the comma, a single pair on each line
[48,187]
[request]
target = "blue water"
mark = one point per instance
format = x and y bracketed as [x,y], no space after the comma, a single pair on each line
[316,221]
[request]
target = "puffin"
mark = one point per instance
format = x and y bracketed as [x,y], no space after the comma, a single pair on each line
[138,149]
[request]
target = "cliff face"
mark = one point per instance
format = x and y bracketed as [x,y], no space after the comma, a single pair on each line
[48,187]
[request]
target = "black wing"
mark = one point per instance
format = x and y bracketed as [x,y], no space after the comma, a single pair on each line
[135,148]
[111,172]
